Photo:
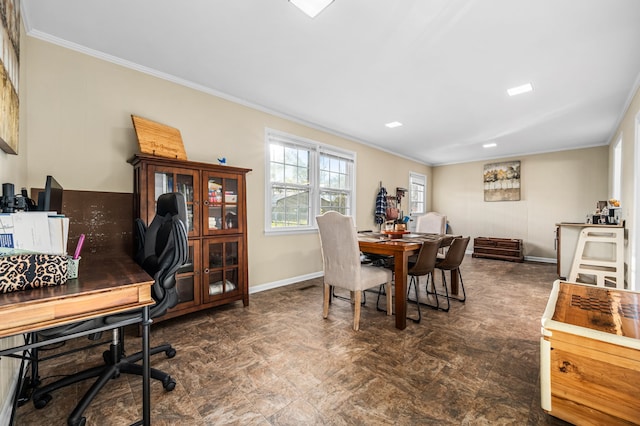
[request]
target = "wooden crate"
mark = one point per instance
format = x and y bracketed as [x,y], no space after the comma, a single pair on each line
[498,248]
[590,355]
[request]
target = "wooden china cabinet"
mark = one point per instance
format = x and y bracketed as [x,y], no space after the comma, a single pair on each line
[217,271]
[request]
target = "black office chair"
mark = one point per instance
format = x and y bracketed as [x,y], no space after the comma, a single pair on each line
[163,249]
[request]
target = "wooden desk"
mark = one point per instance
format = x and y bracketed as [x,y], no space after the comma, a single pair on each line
[590,355]
[104,286]
[401,249]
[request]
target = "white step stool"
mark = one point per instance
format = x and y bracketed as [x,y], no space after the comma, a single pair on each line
[599,257]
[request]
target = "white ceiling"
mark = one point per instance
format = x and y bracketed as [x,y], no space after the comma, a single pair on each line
[441,67]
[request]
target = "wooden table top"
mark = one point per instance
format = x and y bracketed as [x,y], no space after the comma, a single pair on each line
[596,308]
[409,237]
[104,286]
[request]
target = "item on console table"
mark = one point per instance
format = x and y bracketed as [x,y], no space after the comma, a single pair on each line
[395,234]
[27,271]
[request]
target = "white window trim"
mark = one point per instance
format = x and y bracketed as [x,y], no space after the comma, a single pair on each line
[317,148]
[616,184]
[424,201]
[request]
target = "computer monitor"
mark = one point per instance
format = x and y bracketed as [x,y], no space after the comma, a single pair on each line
[51,198]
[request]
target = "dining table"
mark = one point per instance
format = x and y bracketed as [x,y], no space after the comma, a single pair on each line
[401,247]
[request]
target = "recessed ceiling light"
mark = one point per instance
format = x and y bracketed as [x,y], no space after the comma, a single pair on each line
[311,7]
[490,145]
[393,124]
[520,89]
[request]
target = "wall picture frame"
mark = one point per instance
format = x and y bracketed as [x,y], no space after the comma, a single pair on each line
[9,74]
[502,181]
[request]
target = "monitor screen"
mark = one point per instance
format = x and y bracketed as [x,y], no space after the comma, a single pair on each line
[51,198]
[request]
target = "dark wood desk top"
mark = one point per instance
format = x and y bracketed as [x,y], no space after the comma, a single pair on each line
[104,286]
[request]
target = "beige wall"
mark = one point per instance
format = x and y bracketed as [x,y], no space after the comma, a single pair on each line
[13,169]
[80,131]
[555,187]
[630,134]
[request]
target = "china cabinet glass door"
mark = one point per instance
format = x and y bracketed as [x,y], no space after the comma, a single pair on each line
[222,205]
[187,278]
[222,268]
[184,181]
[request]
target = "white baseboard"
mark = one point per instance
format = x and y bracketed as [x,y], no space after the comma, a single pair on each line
[294,280]
[541,259]
[285,282]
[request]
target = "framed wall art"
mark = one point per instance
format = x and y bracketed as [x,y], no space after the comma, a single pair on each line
[9,71]
[502,181]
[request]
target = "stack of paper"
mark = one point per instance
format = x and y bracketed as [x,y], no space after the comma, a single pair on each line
[35,232]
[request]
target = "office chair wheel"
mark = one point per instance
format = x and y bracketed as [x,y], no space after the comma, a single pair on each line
[81,422]
[170,353]
[169,384]
[42,401]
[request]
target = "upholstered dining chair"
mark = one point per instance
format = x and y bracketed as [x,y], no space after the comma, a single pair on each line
[342,266]
[432,223]
[424,266]
[451,262]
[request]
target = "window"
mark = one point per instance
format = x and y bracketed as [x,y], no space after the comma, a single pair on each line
[617,170]
[305,178]
[417,193]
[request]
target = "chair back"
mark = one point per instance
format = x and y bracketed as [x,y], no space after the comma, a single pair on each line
[455,254]
[427,257]
[340,251]
[432,223]
[165,249]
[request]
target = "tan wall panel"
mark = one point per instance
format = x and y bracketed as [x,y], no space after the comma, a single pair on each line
[555,187]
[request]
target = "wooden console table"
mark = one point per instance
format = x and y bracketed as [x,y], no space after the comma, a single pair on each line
[590,355]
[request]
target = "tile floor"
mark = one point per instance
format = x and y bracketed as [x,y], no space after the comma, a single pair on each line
[278,362]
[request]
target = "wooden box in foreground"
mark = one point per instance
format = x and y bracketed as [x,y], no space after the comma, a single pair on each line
[590,355]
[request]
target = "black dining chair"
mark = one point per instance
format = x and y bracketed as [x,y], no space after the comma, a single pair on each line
[451,262]
[424,266]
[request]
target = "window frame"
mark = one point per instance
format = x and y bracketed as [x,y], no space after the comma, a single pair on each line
[616,181]
[316,150]
[423,178]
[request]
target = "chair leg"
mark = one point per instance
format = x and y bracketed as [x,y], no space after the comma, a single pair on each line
[356,311]
[350,299]
[115,364]
[429,293]
[447,295]
[389,298]
[325,305]
[446,291]
[415,282]
[464,294]
[381,291]
[385,290]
